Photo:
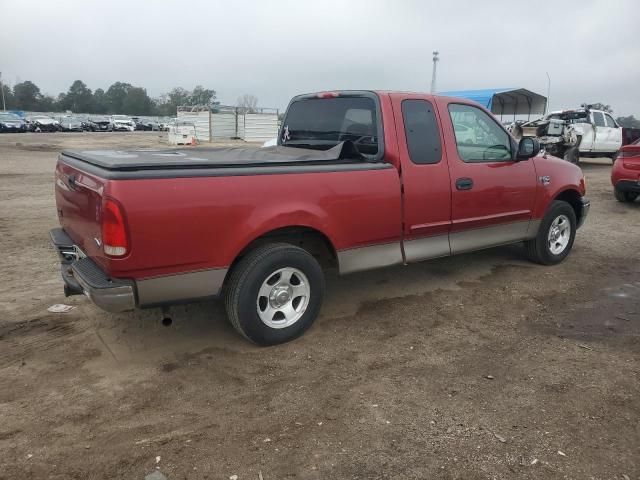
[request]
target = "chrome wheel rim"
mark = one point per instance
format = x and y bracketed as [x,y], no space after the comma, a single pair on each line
[283,298]
[559,234]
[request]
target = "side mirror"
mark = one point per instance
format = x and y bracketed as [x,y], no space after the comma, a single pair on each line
[528,147]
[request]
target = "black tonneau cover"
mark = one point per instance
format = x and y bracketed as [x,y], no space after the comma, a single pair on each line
[230,157]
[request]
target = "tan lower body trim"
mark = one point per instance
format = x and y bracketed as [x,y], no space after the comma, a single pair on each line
[425,248]
[367,258]
[183,286]
[376,256]
[487,237]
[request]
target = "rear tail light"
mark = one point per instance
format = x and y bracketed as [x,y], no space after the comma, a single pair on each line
[114,229]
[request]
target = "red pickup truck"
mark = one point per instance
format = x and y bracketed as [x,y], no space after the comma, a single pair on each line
[358,180]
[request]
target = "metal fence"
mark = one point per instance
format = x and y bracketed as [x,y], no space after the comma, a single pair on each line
[222,121]
[201,120]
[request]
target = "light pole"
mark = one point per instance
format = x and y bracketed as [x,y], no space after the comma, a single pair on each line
[433,74]
[546,107]
[4,105]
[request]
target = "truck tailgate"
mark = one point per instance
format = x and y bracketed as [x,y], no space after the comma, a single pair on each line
[79,204]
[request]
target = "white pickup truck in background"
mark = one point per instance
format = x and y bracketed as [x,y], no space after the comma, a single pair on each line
[571,134]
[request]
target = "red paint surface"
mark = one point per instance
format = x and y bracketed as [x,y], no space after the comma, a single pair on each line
[186,224]
[627,165]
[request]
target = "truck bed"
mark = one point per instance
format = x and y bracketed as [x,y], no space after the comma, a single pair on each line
[220,157]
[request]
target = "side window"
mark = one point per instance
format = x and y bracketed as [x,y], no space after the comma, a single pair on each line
[609,120]
[598,119]
[479,138]
[421,131]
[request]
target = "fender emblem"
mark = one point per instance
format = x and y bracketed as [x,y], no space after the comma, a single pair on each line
[545,180]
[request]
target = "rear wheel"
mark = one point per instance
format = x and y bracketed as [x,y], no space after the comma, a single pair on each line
[555,237]
[624,197]
[274,293]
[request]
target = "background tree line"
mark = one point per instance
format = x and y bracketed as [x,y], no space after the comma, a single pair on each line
[119,98]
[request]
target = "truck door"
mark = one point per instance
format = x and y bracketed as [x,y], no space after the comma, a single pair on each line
[614,138]
[602,132]
[425,179]
[492,195]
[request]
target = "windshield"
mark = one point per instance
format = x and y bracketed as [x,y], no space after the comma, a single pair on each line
[9,117]
[322,123]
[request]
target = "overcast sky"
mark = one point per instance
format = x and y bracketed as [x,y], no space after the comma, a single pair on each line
[276,49]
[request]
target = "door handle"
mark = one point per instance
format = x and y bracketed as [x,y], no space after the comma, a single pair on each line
[464,184]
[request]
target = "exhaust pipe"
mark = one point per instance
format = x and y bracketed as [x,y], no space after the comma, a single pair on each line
[166,317]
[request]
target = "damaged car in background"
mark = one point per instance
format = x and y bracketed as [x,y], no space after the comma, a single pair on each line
[42,123]
[571,134]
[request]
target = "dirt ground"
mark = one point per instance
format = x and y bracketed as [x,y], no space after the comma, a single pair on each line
[481,366]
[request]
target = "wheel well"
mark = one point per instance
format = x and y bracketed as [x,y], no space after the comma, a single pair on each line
[573,198]
[309,239]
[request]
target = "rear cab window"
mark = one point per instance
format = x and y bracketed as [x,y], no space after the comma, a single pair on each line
[322,121]
[479,138]
[421,131]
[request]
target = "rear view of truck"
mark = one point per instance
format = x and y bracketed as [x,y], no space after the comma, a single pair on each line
[93,231]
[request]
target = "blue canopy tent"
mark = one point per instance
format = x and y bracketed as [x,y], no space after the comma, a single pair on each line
[505,101]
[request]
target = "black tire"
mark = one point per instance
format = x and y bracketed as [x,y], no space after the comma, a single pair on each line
[538,249]
[624,197]
[614,156]
[572,155]
[246,278]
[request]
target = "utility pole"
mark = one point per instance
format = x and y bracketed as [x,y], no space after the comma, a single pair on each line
[433,75]
[4,105]
[546,107]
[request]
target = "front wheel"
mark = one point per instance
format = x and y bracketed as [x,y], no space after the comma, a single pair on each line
[274,293]
[624,197]
[555,237]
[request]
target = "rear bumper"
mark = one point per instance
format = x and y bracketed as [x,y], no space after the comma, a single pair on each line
[83,275]
[628,186]
[585,206]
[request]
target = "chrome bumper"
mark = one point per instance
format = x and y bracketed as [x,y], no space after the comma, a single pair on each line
[84,276]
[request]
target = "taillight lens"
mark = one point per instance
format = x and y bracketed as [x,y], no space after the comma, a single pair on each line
[114,229]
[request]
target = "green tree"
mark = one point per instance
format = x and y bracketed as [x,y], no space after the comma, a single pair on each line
[628,122]
[168,103]
[115,96]
[179,96]
[79,98]
[99,101]
[137,102]
[27,96]
[48,104]
[202,96]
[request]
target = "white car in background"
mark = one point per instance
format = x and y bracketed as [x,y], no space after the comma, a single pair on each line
[122,123]
[576,133]
[464,134]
